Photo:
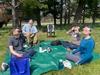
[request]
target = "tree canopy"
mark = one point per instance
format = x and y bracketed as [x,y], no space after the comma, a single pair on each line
[59,9]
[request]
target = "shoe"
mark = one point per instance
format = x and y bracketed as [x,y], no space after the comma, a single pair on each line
[4,66]
[67,64]
[25,46]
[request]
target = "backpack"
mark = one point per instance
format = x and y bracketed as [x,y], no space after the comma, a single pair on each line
[56,43]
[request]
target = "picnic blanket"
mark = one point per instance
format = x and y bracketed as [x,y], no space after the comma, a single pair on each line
[47,61]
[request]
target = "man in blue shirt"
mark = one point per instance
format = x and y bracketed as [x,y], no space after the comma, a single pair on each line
[84,53]
[30,32]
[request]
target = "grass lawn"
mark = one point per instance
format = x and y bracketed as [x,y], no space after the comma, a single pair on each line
[89,69]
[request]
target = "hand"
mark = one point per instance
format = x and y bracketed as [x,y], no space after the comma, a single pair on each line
[32,35]
[19,55]
[68,49]
[27,33]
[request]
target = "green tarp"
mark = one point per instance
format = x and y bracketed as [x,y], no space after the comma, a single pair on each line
[47,61]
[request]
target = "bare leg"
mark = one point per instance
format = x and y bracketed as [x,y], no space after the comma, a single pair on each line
[35,39]
[28,38]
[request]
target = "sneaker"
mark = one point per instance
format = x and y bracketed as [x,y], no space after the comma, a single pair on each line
[4,66]
[67,64]
[25,46]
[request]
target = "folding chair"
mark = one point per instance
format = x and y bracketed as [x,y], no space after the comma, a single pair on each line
[50,30]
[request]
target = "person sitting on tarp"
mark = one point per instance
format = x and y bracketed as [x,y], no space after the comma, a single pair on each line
[30,32]
[75,33]
[84,53]
[16,46]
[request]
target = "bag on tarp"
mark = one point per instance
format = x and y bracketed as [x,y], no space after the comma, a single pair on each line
[19,66]
[56,43]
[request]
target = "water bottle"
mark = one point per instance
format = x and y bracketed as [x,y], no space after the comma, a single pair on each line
[40,49]
[48,50]
[61,66]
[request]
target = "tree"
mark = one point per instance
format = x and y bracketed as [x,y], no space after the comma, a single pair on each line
[84,6]
[61,11]
[14,4]
[92,5]
[78,14]
[69,12]
[53,8]
[32,9]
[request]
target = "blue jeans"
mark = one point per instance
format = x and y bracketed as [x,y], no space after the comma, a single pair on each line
[70,45]
[77,58]
[26,54]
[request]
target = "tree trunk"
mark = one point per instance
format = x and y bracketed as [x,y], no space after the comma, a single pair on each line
[38,17]
[83,18]
[39,22]
[20,20]
[54,14]
[69,12]
[93,17]
[69,17]
[15,21]
[84,14]
[54,20]
[65,16]
[78,14]
[94,11]
[61,12]
[13,14]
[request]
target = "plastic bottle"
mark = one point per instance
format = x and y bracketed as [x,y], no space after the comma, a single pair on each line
[61,66]
[48,50]
[40,49]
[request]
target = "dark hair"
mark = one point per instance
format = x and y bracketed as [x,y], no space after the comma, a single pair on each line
[88,27]
[13,29]
[31,19]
